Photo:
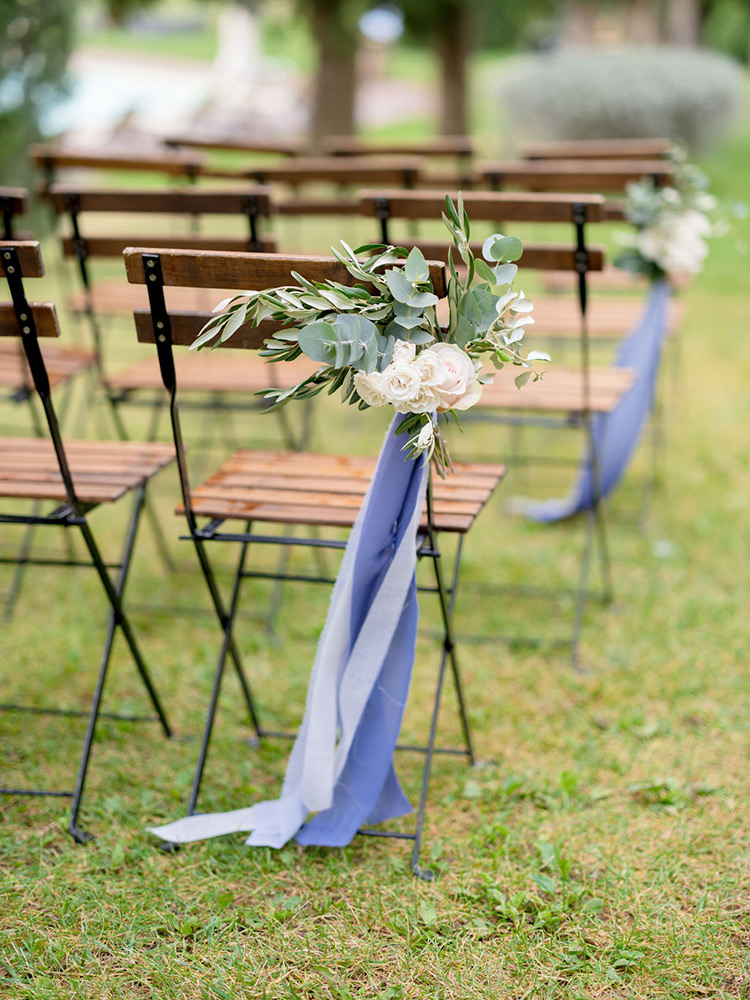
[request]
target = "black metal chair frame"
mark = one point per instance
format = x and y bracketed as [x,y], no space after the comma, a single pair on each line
[73,514]
[200,536]
[595,532]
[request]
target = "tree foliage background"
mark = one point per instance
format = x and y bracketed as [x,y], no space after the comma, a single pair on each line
[37,38]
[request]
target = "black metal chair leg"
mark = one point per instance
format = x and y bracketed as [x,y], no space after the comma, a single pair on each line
[582,591]
[232,645]
[447,613]
[116,618]
[218,676]
[120,616]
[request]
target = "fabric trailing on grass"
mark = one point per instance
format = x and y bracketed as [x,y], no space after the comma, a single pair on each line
[616,434]
[341,764]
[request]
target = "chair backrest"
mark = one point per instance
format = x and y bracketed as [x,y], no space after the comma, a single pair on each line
[158,269]
[13,202]
[51,159]
[461,146]
[29,321]
[571,175]
[498,208]
[403,171]
[250,203]
[598,149]
[234,143]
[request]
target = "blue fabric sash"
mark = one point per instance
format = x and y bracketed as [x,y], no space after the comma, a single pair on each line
[341,765]
[616,434]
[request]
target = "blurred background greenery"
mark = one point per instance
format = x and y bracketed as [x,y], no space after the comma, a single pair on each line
[462,52]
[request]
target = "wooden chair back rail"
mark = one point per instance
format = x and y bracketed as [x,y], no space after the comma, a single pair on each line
[443,145]
[172,163]
[29,257]
[536,257]
[255,200]
[509,206]
[280,147]
[13,200]
[43,313]
[113,246]
[186,325]
[211,269]
[317,206]
[598,149]
[572,175]
[335,170]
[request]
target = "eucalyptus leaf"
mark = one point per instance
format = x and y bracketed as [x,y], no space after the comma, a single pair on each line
[502,248]
[318,341]
[522,379]
[416,269]
[504,273]
[538,356]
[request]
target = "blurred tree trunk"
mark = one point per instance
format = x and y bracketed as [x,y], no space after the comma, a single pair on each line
[453,46]
[683,22]
[643,22]
[335,78]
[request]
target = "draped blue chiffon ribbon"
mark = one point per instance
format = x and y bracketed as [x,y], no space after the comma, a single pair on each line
[341,764]
[616,434]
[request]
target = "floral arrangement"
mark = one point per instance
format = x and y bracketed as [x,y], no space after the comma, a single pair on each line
[672,224]
[380,343]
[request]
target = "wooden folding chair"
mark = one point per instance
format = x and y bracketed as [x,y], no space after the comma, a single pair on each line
[76,477]
[289,489]
[569,397]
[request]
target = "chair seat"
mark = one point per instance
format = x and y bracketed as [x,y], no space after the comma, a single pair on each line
[216,371]
[611,316]
[103,471]
[112,296]
[290,487]
[61,362]
[560,389]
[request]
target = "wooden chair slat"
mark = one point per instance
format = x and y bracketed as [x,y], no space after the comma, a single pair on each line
[45,320]
[572,175]
[29,257]
[188,201]
[209,269]
[113,246]
[198,140]
[508,206]
[362,170]
[171,162]
[537,257]
[317,206]
[442,145]
[597,149]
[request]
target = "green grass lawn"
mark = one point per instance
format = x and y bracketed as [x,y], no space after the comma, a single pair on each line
[602,851]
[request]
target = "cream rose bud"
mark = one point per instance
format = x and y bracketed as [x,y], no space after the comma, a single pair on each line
[370,388]
[426,437]
[459,389]
[403,351]
[432,371]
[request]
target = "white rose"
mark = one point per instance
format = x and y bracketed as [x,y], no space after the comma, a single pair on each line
[403,351]
[371,388]
[423,400]
[431,369]
[401,382]
[460,388]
